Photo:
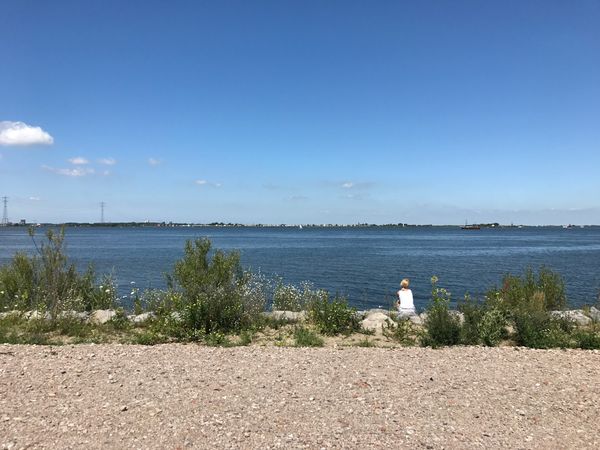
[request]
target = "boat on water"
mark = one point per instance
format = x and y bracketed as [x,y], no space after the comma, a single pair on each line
[466,226]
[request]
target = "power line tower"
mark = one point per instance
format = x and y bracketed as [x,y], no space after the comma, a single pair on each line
[5,212]
[102,205]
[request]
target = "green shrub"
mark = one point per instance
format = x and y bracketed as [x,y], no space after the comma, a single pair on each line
[119,322]
[48,282]
[441,327]
[212,292]
[303,337]
[492,328]
[539,329]
[148,338]
[473,313]
[332,317]
[216,339]
[587,339]
[246,338]
[402,331]
[544,292]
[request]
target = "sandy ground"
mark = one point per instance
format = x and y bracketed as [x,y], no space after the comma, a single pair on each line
[179,396]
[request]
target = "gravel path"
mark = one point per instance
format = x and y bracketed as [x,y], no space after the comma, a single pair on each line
[178,396]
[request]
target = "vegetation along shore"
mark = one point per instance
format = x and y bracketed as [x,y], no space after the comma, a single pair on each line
[210,299]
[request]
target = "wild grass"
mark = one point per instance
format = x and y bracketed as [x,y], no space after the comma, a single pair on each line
[303,337]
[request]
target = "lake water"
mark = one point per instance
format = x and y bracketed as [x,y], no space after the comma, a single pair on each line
[366,264]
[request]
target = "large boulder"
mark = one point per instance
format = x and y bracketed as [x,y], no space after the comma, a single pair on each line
[576,315]
[37,315]
[141,318]
[101,316]
[375,321]
[83,316]
[594,314]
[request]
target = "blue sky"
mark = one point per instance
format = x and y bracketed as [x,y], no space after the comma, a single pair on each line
[301,111]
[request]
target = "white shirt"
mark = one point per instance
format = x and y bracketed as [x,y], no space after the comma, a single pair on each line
[406,299]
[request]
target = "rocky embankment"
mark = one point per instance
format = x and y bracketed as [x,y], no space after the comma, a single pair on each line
[373,319]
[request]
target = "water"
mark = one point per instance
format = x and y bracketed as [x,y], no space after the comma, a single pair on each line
[366,264]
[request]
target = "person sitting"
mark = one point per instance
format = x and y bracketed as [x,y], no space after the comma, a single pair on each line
[405,304]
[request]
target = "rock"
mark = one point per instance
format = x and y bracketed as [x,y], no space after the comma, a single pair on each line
[101,316]
[74,315]
[377,310]
[576,315]
[416,319]
[375,321]
[10,313]
[140,318]
[287,315]
[594,314]
[36,315]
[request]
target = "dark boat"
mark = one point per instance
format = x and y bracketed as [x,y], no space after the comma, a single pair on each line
[470,227]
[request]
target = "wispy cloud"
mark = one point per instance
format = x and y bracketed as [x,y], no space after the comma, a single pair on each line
[34,199]
[107,161]
[71,172]
[357,185]
[297,198]
[79,161]
[21,134]
[207,183]
[154,161]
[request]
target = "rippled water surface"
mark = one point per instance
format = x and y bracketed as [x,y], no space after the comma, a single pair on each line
[364,263]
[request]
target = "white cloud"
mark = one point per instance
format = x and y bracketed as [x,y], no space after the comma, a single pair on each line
[207,183]
[106,173]
[74,172]
[107,161]
[21,134]
[357,185]
[154,161]
[34,199]
[79,161]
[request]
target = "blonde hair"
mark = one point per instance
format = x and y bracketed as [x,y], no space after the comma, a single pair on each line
[404,283]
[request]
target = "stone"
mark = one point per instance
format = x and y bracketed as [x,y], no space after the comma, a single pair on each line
[10,313]
[576,315]
[73,315]
[416,319]
[101,316]
[140,318]
[375,321]
[594,314]
[36,315]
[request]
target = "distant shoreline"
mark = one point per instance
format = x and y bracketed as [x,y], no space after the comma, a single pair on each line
[260,225]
